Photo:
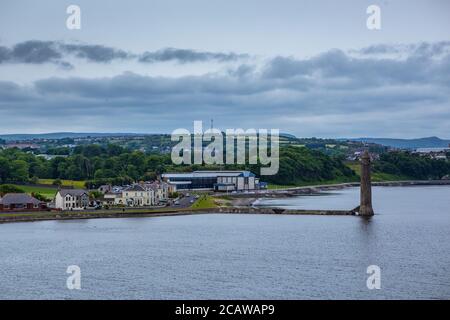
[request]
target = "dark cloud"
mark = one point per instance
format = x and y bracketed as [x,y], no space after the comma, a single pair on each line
[38,52]
[187,55]
[33,51]
[95,53]
[5,54]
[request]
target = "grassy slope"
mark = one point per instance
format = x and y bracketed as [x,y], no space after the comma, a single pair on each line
[65,183]
[204,202]
[48,192]
[378,176]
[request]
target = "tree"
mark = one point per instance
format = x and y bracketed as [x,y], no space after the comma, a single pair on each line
[4,170]
[19,170]
[8,188]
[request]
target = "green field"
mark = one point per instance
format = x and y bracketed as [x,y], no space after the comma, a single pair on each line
[65,183]
[48,189]
[48,192]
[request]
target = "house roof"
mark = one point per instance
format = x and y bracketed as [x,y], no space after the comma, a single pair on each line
[72,192]
[16,198]
[111,195]
[135,187]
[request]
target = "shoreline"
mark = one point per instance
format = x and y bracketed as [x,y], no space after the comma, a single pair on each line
[241,204]
[337,186]
[249,199]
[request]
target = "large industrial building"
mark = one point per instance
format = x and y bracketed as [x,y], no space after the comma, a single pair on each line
[213,180]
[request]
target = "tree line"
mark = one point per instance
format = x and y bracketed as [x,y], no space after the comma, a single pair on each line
[112,163]
[412,165]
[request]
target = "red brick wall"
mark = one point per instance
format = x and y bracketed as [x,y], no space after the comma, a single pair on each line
[29,207]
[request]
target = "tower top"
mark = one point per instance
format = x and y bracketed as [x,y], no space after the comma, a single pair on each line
[365,158]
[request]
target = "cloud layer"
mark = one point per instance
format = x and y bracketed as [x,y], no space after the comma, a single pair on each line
[336,93]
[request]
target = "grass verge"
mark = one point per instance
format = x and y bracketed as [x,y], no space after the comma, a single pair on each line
[204,202]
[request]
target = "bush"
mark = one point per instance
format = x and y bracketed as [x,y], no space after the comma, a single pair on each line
[95,194]
[34,180]
[40,197]
[9,188]
[174,195]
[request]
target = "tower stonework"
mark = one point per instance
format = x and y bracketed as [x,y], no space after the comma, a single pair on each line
[365,207]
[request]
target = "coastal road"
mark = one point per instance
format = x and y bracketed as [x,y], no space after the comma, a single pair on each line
[184,202]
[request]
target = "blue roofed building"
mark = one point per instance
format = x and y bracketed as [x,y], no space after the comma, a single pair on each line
[213,180]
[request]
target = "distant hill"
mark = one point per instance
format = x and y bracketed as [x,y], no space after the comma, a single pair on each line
[430,142]
[61,135]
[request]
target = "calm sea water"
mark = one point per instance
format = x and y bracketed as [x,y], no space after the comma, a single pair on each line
[241,256]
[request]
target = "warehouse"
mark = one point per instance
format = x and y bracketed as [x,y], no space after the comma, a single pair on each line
[213,180]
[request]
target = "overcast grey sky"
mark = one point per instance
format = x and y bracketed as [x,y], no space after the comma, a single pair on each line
[311,68]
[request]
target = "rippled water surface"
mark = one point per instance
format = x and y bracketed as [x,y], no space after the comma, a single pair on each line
[215,256]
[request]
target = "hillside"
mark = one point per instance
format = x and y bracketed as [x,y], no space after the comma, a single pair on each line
[430,142]
[60,135]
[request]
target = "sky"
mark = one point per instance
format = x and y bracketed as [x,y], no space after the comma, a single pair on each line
[309,68]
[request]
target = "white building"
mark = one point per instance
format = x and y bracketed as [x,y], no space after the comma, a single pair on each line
[71,199]
[162,190]
[139,195]
[433,153]
[136,196]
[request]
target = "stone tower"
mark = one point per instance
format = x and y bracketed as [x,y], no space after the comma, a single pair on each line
[365,207]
